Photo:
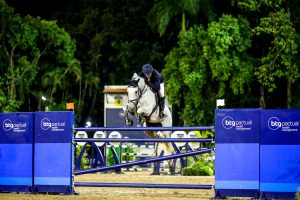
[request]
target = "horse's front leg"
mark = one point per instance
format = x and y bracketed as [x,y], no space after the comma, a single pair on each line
[141,115]
[128,121]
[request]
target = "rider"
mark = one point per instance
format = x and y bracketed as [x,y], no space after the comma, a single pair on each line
[155,80]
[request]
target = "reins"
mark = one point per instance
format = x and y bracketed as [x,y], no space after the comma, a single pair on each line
[140,94]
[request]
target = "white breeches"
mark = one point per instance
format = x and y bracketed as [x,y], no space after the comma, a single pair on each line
[161,92]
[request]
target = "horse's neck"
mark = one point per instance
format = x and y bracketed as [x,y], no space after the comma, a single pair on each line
[148,100]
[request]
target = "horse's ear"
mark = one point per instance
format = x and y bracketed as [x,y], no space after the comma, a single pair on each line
[137,81]
[134,76]
[133,82]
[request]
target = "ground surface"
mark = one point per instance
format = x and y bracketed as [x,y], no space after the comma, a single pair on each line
[88,193]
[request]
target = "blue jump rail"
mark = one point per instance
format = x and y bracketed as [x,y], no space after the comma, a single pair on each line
[140,162]
[143,185]
[142,140]
[171,128]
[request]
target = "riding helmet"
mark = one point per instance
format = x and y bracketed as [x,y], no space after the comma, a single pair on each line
[147,69]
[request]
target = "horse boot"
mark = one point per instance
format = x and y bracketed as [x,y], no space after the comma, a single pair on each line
[162,107]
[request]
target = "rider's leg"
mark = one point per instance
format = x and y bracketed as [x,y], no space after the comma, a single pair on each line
[161,94]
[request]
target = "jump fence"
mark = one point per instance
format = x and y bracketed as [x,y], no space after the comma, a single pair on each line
[256,151]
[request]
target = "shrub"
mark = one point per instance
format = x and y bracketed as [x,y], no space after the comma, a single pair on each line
[203,167]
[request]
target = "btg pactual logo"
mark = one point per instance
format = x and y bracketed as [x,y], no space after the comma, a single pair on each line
[7,125]
[45,124]
[274,123]
[228,122]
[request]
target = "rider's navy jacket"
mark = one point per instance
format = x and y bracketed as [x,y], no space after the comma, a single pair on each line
[155,80]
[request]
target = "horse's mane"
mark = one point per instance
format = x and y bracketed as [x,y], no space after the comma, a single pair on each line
[135,80]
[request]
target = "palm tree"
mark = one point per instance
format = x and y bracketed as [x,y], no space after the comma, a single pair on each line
[56,78]
[165,10]
[91,83]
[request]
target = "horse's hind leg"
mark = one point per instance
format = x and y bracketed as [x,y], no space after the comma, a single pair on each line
[168,149]
[159,145]
[167,146]
[152,134]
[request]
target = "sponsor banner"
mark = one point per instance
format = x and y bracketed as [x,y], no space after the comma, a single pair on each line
[281,126]
[279,168]
[56,165]
[53,127]
[11,155]
[241,157]
[16,128]
[237,125]
[53,151]
[237,151]
[279,151]
[16,137]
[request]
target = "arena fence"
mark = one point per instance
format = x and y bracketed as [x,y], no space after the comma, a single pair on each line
[257,153]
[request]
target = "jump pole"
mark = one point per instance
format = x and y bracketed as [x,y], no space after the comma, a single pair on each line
[143,140]
[151,160]
[171,128]
[143,185]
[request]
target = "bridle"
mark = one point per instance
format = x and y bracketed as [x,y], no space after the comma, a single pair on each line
[134,84]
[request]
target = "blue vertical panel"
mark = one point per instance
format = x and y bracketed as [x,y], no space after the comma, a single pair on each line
[115,118]
[237,152]
[280,153]
[53,152]
[16,136]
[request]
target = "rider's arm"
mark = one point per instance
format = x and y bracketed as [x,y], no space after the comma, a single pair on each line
[141,74]
[155,81]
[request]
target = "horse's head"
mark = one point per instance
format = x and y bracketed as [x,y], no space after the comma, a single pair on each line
[134,91]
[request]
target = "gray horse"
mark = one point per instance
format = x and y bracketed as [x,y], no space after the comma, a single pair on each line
[143,103]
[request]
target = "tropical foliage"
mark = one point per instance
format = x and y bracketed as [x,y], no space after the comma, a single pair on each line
[243,51]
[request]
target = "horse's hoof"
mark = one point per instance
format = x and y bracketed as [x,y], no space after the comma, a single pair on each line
[155,173]
[172,171]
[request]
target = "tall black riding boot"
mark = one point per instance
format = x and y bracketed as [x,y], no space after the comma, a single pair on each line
[162,107]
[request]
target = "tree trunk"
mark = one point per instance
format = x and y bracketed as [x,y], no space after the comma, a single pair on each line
[94,101]
[79,96]
[12,90]
[289,93]
[183,22]
[262,102]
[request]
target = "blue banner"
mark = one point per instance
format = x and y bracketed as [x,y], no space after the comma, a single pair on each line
[237,152]
[16,147]
[280,127]
[280,151]
[237,125]
[16,128]
[53,152]
[53,127]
